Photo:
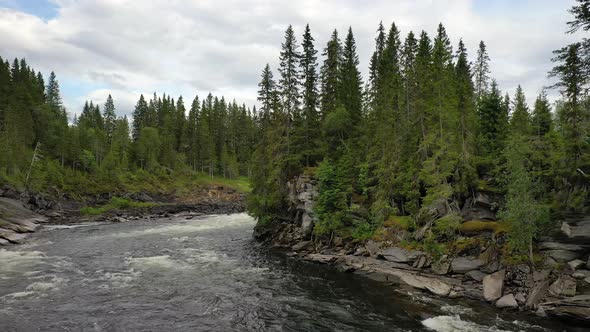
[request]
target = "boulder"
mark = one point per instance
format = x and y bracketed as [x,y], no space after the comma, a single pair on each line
[399,255]
[588,263]
[442,266]
[493,285]
[576,264]
[581,274]
[547,245]
[507,301]
[432,285]
[306,224]
[465,264]
[11,236]
[562,256]
[520,298]
[564,285]
[476,275]
[479,207]
[320,258]
[536,294]
[372,247]
[303,246]
[3,242]
[422,262]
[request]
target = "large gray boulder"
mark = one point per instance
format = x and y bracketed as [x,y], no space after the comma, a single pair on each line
[465,264]
[564,285]
[536,294]
[562,256]
[493,285]
[399,255]
[442,266]
[430,284]
[507,301]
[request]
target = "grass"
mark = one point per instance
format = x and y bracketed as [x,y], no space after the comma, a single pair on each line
[477,226]
[116,203]
[400,222]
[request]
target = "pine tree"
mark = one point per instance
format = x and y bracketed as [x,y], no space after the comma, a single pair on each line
[109,118]
[310,99]
[267,95]
[330,73]
[350,87]
[520,120]
[481,71]
[542,120]
[140,120]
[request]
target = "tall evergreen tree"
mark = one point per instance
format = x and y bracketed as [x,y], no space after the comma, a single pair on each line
[310,101]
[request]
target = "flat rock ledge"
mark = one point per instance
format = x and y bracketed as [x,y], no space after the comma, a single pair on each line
[495,288]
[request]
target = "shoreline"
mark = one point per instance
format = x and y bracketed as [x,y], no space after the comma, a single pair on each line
[542,292]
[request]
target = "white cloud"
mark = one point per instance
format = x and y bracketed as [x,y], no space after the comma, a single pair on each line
[189,47]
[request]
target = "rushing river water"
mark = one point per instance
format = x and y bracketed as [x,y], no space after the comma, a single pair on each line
[207,274]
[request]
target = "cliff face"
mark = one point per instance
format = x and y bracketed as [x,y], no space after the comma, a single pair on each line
[560,286]
[297,224]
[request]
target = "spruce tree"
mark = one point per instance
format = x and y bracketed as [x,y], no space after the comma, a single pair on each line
[109,118]
[310,101]
[481,71]
[520,120]
[330,73]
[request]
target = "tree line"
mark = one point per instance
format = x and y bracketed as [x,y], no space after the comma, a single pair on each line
[425,131]
[37,140]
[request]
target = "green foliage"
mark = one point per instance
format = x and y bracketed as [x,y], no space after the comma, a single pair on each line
[116,203]
[447,226]
[331,207]
[522,211]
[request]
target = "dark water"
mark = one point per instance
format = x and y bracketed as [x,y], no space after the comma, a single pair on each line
[207,274]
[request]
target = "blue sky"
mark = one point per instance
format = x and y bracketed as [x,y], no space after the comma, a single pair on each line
[193,47]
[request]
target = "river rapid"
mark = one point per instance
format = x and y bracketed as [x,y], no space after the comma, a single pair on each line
[208,274]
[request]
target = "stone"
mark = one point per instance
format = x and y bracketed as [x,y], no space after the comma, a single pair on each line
[562,256]
[422,262]
[587,280]
[399,255]
[432,285]
[507,301]
[581,274]
[320,258]
[442,266]
[11,236]
[536,294]
[560,246]
[541,312]
[372,247]
[493,285]
[306,224]
[540,275]
[575,264]
[520,298]
[4,242]
[465,264]
[303,246]
[564,285]
[588,263]
[476,275]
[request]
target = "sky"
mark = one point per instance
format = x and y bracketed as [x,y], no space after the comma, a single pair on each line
[188,48]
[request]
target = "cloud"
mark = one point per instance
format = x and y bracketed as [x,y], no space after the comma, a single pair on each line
[193,47]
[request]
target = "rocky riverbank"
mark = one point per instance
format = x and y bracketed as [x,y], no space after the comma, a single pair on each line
[22,213]
[559,286]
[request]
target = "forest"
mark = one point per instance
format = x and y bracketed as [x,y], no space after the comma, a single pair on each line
[425,131]
[43,149]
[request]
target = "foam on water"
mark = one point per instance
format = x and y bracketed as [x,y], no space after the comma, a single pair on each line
[163,262]
[19,261]
[192,226]
[456,324]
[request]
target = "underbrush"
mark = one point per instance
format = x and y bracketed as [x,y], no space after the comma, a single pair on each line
[116,203]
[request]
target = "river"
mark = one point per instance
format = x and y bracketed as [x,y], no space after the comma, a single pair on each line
[208,274]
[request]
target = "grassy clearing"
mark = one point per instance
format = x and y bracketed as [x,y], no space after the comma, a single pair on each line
[116,203]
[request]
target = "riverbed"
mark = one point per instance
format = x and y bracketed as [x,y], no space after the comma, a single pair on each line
[208,274]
